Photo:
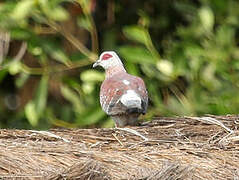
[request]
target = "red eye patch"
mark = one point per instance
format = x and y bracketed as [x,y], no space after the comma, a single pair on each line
[106,56]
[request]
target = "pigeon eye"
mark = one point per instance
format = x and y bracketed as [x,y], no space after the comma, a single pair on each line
[106,56]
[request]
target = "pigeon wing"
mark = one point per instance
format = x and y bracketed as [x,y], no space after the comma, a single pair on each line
[110,94]
[112,90]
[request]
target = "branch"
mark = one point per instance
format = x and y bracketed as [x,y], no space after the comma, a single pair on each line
[92,56]
[21,52]
[4,44]
[53,69]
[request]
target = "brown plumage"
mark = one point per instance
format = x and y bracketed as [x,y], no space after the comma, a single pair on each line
[122,96]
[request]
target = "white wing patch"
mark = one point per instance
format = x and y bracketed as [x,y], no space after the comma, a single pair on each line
[131,99]
[126,82]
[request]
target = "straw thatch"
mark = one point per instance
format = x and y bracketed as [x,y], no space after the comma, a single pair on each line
[166,148]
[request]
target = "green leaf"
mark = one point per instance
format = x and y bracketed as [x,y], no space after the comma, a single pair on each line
[22,79]
[31,114]
[85,5]
[60,56]
[165,66]
[22,9]
[20,34]
[84,22]
[137,54]
[58,14]
[92,76]
[14,67]
[73,97]
[56,52]
[136,33]
[88,87]
[41,95]
[207,18]
[209,79]
[53,11]
[36,51]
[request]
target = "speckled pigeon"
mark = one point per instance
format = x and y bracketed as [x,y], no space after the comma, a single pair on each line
[122,96]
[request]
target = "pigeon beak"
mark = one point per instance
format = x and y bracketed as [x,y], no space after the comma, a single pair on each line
[96,64]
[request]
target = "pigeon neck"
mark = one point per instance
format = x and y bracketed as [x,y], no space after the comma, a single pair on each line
[114,70]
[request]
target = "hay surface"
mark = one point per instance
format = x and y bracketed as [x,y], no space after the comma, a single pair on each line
[166,148]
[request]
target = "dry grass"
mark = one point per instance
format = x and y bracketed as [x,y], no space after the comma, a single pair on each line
[166,148]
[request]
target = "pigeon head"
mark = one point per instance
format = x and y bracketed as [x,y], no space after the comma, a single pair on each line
[108,59]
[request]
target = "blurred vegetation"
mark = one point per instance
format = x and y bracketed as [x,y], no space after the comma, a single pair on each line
[186,51]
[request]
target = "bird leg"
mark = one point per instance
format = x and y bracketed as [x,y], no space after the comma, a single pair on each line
[122,120]
[133,119]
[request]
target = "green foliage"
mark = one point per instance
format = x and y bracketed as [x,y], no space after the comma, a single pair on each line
[186,51]
[137,54]
[35,107]
[136,33]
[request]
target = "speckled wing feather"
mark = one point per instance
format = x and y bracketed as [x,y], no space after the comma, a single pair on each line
[114,87]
